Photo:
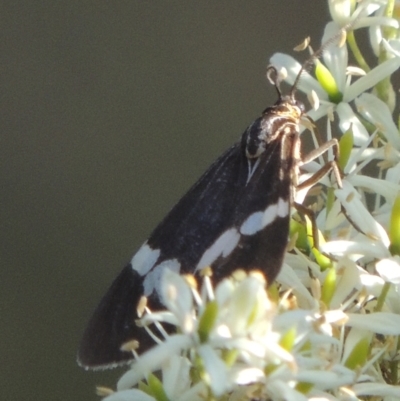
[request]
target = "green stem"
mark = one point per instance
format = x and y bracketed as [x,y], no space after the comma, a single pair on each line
[394,367]
[384,88]
[388,31]
[351,40]
[382,297]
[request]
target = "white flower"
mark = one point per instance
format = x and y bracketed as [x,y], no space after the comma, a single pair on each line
[377,113]
[345,11]
[241,325]
[247,351]
[389,269]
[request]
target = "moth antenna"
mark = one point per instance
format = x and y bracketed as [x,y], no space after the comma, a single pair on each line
[340,36]
[273,78]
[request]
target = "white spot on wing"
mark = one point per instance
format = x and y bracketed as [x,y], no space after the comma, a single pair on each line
[252,168]
[252,224]
[259,220]
[283,208]
[269,215]
[144,259]
[222,246]
[153,280]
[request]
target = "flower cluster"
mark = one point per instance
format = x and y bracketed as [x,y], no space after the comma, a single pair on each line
[332,331]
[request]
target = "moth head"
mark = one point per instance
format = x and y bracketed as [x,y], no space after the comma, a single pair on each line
[287,106]
[290,107]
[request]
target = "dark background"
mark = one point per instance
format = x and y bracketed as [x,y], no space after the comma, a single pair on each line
[109,112]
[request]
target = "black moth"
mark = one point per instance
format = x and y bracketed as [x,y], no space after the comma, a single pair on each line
[235,216]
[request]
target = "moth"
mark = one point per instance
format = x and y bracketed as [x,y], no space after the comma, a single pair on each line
[235,216]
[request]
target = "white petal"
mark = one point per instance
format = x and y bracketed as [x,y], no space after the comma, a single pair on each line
[378,113]
[387,189]
[378,322]
[377,389]
[335,57]
[371,21]
[340,11]
[335,316]
[325,379]
[372,78]
[366,8]
[247,375]
[252,347]
[318,395]
[359,248]
[393,174]
[334,217]
[349,120]
[290,279]
[389,270]
[153,359]
[176,295]
[217,375]
[176,376]
[375,38]
[349,280]
[281,390]
[198,392]
[322,111]
[392,46]
[248,295]
[373,283]
[356,210]
[291,318]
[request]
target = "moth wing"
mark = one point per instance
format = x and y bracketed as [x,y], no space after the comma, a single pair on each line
[113,321]
[217,206]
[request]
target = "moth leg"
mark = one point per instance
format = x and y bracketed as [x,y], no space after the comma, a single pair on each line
[326,169]
[351,221]
[323,148]
[305,211]
[330,166]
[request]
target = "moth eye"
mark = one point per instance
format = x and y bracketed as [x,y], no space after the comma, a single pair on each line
[301,106]
[255,147]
